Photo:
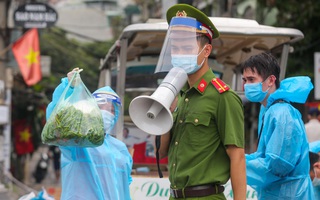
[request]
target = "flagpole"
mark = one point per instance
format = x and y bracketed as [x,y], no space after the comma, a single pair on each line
[6,49]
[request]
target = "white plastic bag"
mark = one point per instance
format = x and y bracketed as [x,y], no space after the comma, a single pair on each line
[42,195]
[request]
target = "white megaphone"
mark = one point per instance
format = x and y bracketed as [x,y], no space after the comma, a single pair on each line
[152,113]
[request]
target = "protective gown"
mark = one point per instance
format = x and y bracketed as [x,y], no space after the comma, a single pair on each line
[315,147]
[279,169]
[100,173]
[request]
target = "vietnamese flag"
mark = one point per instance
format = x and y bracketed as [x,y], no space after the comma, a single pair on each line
[26,50]
[22,137]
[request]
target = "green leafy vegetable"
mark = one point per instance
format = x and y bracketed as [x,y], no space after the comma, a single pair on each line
[74,127]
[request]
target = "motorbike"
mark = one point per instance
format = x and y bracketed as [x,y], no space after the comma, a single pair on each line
[41,168]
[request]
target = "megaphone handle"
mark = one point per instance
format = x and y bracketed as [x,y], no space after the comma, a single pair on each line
[158,143]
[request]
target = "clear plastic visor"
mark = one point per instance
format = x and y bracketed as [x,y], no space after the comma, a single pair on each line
[181,39]
[107,102]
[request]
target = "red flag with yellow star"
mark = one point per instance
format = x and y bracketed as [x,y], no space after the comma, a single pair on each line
[22,137]
[26,50]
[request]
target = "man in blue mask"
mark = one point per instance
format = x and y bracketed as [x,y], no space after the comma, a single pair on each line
[279,169]
[314,147]
[205,146]
[315,172]
[99,173]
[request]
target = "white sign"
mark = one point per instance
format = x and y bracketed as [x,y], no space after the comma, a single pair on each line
[45,62]
[317,75]
[4,116]
[159,189]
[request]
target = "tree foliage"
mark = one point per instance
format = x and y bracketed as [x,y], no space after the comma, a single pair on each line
[302,15]
[67,54]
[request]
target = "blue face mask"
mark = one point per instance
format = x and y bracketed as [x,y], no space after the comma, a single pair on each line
[254,93]
[187,62]
[108,120]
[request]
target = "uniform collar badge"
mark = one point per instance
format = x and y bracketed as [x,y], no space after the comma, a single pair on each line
[202,85]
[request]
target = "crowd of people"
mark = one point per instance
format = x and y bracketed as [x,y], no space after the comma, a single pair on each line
[205,146]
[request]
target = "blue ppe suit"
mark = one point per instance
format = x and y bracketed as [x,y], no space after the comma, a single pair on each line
[279,169]
[316,190]
[315,148]
[99,173]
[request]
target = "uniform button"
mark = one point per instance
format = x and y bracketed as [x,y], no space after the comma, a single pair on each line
[175,186]
[180,121]
[196,120]
[186,100]
[174,164]
[176,143]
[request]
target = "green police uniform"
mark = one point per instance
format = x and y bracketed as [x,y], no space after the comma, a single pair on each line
[207,118]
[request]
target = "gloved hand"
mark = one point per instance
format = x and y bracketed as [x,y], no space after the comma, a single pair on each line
[70,75]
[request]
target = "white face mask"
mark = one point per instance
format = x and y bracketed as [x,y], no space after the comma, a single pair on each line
[108,120]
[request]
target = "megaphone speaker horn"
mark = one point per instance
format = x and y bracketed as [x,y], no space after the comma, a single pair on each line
[152,113]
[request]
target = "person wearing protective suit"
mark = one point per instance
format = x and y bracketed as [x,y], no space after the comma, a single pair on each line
[279,169]
[314,147]
[315,172]
[99,173]
[205,146]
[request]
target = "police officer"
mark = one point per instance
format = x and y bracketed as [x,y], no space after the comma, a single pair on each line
[205,146]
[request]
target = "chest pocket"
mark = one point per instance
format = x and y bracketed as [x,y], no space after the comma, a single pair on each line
[197,128]
[198,119]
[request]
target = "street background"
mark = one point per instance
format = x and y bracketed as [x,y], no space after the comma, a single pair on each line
[82,36]
[18,189]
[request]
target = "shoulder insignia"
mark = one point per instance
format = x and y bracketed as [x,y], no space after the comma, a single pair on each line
[219,85]
[202,85]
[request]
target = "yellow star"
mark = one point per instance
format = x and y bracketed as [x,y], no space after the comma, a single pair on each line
[32,57]
[25,135]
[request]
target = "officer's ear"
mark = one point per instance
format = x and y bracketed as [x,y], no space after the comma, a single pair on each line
[207,50]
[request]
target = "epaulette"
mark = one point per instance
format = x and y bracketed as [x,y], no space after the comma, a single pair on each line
[219,85]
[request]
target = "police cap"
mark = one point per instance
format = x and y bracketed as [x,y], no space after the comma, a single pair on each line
[185,10]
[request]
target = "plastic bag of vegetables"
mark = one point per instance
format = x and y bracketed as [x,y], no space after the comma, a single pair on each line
[76,120]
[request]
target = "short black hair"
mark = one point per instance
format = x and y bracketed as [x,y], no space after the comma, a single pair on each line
[314,112]
[203,39]
[313,158]
[265,64]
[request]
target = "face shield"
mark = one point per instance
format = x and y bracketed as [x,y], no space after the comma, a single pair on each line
[181,39]
[110,106]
